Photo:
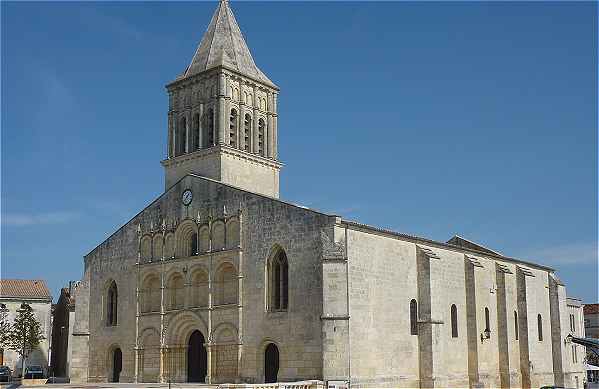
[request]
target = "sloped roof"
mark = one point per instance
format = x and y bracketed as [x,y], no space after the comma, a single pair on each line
[223,45]
[465,243]
[26,289]
[590,309]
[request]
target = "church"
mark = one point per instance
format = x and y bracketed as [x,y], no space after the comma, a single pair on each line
[220,281]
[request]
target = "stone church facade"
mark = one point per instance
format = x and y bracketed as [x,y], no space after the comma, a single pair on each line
[220,281]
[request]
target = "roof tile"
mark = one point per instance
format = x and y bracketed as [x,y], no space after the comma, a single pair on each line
[35,289]
[590,309]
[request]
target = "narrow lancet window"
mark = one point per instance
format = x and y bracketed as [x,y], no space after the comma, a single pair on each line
[278,297]
[112,305]
[261,136]
[247,132]
[454,321]
[413,317]
[233,128]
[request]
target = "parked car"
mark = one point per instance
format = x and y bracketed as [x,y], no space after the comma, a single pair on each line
[5,374]
[34,371]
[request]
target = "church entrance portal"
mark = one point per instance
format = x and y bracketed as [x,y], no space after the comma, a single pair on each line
[271,363]
[117,364]
[197,358]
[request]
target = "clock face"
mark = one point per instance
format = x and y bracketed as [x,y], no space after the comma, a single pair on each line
[187,196]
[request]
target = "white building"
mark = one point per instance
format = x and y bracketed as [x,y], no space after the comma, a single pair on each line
[13,293]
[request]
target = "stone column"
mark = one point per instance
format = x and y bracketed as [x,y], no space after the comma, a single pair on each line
[137,314]
[241,125]
[201,126]
[502,330]
[208,336]
[221,109]
[186,144]
[335,319]
[240,300]
[161,377]
[556,305]
[174,128]
[227,131]
[169,146]
[275,130]
[430,285]
[141,364]
[254,148]
[268,136]
[521,275]
[471,320]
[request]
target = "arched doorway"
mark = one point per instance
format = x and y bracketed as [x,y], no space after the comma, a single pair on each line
[197,358]
[117,364]
[271,363]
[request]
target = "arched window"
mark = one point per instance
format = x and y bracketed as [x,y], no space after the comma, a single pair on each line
[176,292]
[516,324]
[208,128]
[233,128]
[112,305]
[261,136]
[187,239]
[181,135]
[169,246]
[218,236]
[157,247]
[232,228]
[487,320]
[199,289]
[193,244]
[454,321]
[150,295]
[247,131]
[146,248]
[204,239]
[171,140]
[277,272]
[196,132]
[226,285]
[413,317]
[540,327]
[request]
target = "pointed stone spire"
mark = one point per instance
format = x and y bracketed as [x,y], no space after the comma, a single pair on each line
[223,45]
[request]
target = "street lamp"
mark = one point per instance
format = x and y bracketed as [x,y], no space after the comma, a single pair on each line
[24,308]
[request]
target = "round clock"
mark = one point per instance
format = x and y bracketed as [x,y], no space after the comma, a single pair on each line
[187,197]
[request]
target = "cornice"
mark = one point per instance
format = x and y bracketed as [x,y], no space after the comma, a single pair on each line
[221,149]
[193,78]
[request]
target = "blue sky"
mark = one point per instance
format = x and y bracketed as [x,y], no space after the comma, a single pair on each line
[433,119]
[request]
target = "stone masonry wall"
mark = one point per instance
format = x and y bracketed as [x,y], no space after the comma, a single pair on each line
[266,223]
[386,272]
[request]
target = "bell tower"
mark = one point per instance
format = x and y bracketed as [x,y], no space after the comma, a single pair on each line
[222,117]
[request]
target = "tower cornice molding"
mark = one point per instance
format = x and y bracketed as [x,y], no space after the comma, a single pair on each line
[192,79]
[221,149]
